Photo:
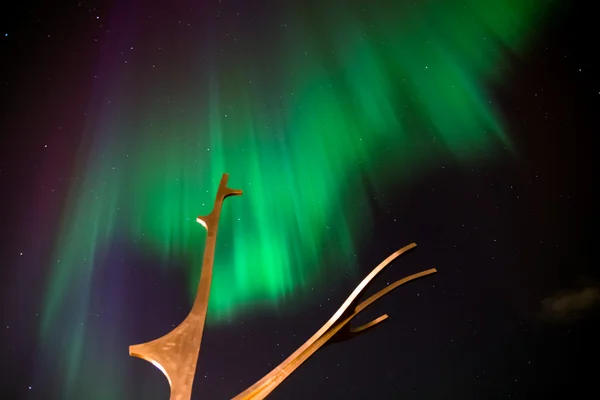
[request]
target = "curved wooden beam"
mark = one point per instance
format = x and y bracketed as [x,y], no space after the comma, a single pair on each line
[336,323]
[176,353]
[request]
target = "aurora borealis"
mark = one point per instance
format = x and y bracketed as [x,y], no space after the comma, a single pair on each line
[316,109]
[297,112]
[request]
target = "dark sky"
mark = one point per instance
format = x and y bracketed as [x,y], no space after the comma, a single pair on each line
[511,313]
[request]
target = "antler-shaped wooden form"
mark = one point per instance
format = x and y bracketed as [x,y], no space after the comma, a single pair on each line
[336,328]
[176,353]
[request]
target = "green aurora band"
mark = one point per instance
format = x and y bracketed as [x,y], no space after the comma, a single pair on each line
[340,95]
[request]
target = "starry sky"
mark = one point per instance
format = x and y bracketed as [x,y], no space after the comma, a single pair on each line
[353,128]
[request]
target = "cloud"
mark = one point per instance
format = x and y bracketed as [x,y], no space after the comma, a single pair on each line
[570,305]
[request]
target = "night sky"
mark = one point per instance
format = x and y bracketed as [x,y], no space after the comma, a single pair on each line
[353,128]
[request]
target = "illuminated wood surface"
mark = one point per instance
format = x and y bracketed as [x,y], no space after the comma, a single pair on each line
[176,353]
